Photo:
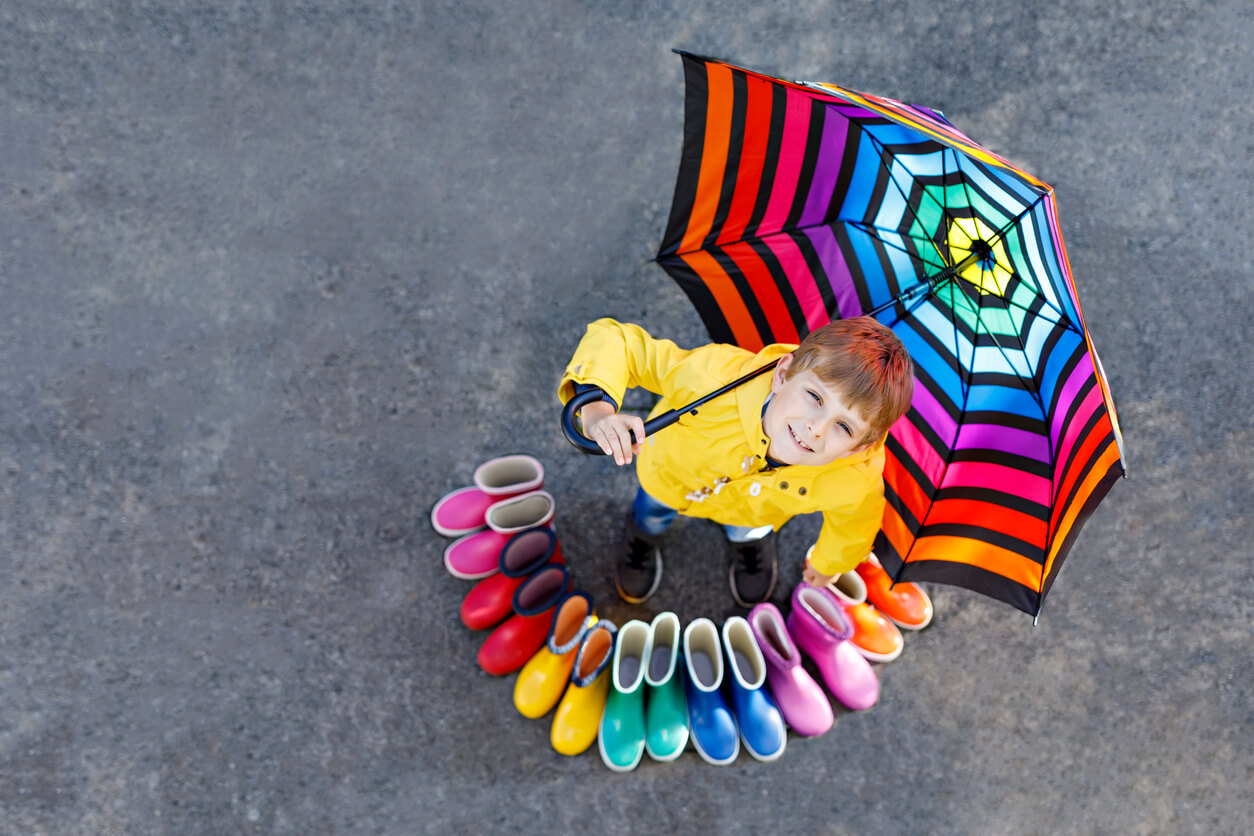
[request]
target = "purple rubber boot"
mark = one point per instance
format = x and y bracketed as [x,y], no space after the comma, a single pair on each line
[822,631]
[802,702]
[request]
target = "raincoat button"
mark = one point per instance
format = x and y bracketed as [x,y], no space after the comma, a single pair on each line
[755,489]
[801,491]
[783,486]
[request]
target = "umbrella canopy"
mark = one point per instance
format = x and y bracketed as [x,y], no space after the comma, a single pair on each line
[799,203]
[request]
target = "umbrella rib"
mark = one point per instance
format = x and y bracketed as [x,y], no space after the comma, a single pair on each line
[1027,384]
[872,230]
[962,411]
[883,150]
[1059,320]
[1003,232]
[1026,278]
[906,202]
[862,225]
[1031,390]
[945,178]
[905,198]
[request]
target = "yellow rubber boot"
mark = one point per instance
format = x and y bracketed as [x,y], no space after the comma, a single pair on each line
[543,679]
[578,715]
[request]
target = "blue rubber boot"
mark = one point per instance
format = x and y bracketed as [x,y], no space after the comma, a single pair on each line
[710,719]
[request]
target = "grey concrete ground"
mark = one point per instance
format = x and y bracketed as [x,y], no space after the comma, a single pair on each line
[274,276]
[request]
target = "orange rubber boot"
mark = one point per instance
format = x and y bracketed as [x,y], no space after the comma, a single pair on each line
[906,604]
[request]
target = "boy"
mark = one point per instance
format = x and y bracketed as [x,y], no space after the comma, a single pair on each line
[807,437]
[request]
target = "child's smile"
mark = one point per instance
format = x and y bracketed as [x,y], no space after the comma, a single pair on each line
[808,422]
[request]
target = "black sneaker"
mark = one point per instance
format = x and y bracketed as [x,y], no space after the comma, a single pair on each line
[639,568]
[753,570]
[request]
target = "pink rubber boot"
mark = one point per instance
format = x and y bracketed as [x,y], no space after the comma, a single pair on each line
[478,555]
[821,630]
[463,511]
[802,702]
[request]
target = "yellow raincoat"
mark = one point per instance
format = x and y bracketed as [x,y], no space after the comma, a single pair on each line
[711,464]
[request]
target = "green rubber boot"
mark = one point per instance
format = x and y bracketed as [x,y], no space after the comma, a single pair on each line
[666,710]
[621,737]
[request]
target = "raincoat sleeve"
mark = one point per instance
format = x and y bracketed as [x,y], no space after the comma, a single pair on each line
[615,356]
[848,532]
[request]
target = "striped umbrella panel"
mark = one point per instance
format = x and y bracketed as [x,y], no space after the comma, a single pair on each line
[798,203]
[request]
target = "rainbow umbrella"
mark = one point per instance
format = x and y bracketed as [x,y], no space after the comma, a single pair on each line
[798,203]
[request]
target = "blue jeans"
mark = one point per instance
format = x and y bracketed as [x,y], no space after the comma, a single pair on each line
[652,518]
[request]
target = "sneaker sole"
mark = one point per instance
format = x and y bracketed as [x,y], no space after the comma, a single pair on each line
[657,581]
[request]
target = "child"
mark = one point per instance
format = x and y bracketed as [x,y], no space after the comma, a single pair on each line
[807,437]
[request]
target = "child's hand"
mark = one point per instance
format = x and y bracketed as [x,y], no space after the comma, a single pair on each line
[611,430]
[814,577]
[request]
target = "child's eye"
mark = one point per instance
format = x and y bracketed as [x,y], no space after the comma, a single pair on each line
[845,427]
[814,395]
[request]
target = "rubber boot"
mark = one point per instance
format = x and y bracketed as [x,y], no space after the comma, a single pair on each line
[762,728]
[710,719]
[820,628]
[510,646]
[805,707]
[621,737]
[491,600]
[543,679]
[665,704]
[578,716]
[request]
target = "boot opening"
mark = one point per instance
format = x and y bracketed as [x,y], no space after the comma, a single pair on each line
[570,618]
[526,549]
[595,650]
[542,588]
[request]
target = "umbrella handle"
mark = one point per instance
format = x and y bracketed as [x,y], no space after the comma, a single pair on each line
[651,426]
[587,445]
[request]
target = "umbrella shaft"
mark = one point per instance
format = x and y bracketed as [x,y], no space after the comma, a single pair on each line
[924,288]
[949,272]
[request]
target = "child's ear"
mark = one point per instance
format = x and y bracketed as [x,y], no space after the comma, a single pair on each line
[781,371]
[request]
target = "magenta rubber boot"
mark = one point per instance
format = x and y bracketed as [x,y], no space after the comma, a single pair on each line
[477,555]
[462,511]
[821,629]
[805,707]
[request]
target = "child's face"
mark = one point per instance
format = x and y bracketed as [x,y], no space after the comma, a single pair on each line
[808,422]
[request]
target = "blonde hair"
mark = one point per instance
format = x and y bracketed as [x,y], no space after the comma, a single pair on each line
[866,362]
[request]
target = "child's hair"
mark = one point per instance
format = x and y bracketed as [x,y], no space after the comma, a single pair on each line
[866,362]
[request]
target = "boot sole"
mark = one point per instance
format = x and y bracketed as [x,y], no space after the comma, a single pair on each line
[715,761]
[774,756]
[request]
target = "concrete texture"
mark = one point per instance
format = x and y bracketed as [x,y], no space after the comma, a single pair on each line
[274,276]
